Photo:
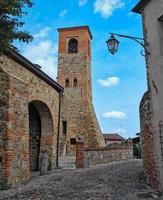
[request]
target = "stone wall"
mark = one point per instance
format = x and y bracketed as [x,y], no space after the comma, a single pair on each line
[4,106]
[147,143]
[18,88]
[111,153]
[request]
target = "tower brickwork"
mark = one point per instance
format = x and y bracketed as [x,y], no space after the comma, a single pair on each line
[74,74]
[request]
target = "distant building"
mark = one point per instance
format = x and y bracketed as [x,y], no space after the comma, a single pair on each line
[113,138]
[137,146]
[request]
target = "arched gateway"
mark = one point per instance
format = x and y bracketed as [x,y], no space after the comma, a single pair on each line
[40,127]
[29,113]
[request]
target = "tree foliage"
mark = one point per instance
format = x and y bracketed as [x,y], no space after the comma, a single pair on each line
[11,12]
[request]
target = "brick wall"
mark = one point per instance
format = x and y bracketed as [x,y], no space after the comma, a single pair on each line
[79,154]
[147,143]
[113,152]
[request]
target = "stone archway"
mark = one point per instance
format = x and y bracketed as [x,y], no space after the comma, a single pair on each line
[41,134]
[34,137]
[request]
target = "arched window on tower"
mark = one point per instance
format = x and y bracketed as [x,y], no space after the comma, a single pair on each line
[73,46]
[75,82]
[67,83]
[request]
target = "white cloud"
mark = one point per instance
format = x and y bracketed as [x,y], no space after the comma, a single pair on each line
[63,13]
[107,7]
[44,53]
[110,81]
[82,2]
[42,33]
[114,114]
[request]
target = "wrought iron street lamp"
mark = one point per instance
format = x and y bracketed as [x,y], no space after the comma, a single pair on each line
[113,43]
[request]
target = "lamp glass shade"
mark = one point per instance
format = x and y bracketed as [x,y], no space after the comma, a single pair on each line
[112,44]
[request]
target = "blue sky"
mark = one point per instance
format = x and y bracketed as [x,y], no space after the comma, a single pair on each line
[119,81]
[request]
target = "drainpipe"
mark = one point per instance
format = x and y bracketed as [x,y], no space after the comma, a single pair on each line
[58,131]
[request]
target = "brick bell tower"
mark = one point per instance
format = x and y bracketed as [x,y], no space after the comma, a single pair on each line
[74,74]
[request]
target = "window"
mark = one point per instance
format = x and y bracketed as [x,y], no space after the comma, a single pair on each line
[73,46]
[75,82]
[160,28]
[161,136]
[161,18]
[67,84]
[73,141]
[64,124]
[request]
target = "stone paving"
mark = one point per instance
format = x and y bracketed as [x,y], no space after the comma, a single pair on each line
[115,181]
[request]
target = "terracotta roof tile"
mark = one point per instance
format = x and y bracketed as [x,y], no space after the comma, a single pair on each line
[113,136]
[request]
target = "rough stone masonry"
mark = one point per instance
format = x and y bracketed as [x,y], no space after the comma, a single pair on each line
[74,74]
[28,119]
[29,108]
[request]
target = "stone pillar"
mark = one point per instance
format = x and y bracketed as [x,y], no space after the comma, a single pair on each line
[15,153]
[79,154]
[44,164]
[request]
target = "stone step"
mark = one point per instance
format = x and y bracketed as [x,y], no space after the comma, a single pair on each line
[68,166]
[67,159]
[62,146]
[67,162]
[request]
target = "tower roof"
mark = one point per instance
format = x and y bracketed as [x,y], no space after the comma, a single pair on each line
[113,136]
[77,28]
[140,6]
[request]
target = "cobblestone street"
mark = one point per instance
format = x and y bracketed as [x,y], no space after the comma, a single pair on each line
[115,181]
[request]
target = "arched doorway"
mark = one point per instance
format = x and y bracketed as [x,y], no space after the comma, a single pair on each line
[34,137]
[41,134]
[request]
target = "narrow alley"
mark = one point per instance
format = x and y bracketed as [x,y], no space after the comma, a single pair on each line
[115,181]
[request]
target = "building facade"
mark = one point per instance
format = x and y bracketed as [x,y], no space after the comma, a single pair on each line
[74,74]
[112,138]
[29,108]
[30,103]
[151,108]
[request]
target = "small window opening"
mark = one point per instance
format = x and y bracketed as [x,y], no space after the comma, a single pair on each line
[160,28]
[161,137]
[160,18]
[73,46]
[73,141]
[75,82]
[67,83]
[64,123]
